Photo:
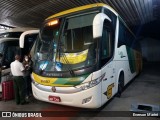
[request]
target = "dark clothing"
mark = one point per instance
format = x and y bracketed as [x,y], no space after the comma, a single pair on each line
[28,67]
[0,71]
[28,88]
[0,76]
[28,71]
[19,87]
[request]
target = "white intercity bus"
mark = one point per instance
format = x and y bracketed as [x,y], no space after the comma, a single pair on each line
[84,56]
[9,46]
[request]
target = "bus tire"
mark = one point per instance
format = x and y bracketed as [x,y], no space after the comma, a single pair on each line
[120,84]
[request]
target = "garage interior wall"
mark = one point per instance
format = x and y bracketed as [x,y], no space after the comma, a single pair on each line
[150,49]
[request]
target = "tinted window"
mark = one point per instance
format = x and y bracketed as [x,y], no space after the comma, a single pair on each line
[11,34]
[1,47]
[78,34]
[106,50]
[125,36]
[11,49]
[121,40]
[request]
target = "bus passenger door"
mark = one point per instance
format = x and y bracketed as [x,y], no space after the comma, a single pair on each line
[107,63]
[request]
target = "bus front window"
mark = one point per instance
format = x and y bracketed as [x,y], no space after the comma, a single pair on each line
[46,40]
[10,50]
[1,47]
[76,48]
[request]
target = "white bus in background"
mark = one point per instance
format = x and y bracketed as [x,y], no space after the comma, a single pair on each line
[84,56]
[9,46]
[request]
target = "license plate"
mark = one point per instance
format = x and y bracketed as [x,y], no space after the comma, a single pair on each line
[54,98]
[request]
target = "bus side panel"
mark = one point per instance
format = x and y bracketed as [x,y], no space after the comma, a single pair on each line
[108,82]
[122,64]
[125,54]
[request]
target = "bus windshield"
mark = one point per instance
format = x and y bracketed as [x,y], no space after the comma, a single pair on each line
[1,47]
[69,48]
[9,49]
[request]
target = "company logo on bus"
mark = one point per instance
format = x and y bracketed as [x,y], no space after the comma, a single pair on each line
[45,81]
[54,89]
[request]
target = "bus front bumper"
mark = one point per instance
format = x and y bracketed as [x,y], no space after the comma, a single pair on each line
[90,98]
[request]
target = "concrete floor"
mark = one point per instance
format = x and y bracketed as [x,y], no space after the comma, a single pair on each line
[142,90]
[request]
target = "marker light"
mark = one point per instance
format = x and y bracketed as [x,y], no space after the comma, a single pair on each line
[53,22]
[86,100]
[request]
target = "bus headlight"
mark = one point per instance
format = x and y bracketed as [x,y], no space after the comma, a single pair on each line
[91,83]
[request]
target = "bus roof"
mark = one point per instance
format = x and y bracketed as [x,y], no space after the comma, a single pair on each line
[88,7]
[17,30]
[82,8]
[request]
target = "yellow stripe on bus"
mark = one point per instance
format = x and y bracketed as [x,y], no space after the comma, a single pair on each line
[74,58]
[79,9]
[43,80]
[48,81]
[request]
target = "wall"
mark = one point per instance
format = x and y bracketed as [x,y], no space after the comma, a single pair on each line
[150,49]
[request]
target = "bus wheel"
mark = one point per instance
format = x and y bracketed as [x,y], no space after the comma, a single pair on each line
[120,85]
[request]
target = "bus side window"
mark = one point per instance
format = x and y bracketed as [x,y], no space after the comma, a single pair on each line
[106,45]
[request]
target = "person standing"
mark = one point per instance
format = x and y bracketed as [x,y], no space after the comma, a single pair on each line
[27,63]
[17,70]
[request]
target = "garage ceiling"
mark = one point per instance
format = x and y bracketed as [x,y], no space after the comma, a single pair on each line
[31,13]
